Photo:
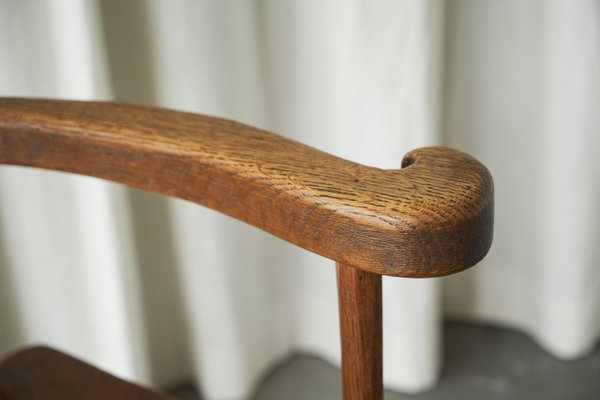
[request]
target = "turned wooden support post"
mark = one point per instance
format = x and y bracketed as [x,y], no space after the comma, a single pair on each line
[359,294]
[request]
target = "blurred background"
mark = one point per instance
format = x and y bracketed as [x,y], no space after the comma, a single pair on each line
[163,292]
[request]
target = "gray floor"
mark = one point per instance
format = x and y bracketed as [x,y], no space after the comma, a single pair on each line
[480,363]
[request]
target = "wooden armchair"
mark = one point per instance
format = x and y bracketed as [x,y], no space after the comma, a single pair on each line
[431,218]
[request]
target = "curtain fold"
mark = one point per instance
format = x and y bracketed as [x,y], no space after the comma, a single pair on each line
[68,265]
[522,87]
[160,290]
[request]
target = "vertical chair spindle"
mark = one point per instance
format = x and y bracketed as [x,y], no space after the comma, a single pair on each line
[359,295]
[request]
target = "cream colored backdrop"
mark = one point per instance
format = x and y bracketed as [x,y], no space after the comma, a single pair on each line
[160,290]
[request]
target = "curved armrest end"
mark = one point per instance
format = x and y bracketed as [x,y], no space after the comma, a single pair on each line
[447,223]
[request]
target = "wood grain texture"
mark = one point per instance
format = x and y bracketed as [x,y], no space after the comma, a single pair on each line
[40,373]
[359,295]
[431,218]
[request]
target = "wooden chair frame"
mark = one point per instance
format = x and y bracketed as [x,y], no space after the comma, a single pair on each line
[431,218]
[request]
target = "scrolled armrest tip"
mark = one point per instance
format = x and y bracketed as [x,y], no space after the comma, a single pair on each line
[441,217]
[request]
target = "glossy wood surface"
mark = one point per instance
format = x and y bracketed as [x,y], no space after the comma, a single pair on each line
[40,373]
[359,295]
[431,218]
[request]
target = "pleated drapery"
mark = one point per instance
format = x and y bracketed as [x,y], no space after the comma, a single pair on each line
[162,291]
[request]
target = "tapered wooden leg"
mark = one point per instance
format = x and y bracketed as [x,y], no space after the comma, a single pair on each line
[359,296]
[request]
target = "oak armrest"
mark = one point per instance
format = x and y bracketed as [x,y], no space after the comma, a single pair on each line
[432,217]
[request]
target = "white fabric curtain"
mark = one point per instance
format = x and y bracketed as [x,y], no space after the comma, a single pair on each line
[160,290]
